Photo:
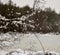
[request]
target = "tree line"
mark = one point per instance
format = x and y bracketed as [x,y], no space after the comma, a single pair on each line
[14,19]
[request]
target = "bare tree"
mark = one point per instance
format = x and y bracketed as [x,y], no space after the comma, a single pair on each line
[10,2]
[0,1]
[36,8]
[38,4]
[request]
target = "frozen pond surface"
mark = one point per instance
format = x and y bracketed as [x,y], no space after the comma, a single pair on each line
[11,41]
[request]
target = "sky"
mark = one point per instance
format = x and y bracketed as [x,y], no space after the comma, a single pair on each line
[54,4]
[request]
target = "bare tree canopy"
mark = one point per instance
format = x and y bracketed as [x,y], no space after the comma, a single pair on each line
[38,4]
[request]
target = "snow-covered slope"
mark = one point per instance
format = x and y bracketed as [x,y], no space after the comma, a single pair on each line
[12,43]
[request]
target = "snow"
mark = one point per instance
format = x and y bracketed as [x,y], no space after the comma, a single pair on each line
[18,13]
[27,44]
[22,52]
[7,39]
[3,18]
[23,18]
[6,43]
[3,53]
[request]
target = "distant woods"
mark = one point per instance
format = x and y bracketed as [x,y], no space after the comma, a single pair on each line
[24,19]
[12,11]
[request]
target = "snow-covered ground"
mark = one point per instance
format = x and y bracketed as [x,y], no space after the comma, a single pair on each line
[12,43]
[21,52]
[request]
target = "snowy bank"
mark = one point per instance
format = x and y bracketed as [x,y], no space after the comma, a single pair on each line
[21,52]
[11,41]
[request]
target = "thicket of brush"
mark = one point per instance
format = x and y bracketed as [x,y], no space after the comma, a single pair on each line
[14,19]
